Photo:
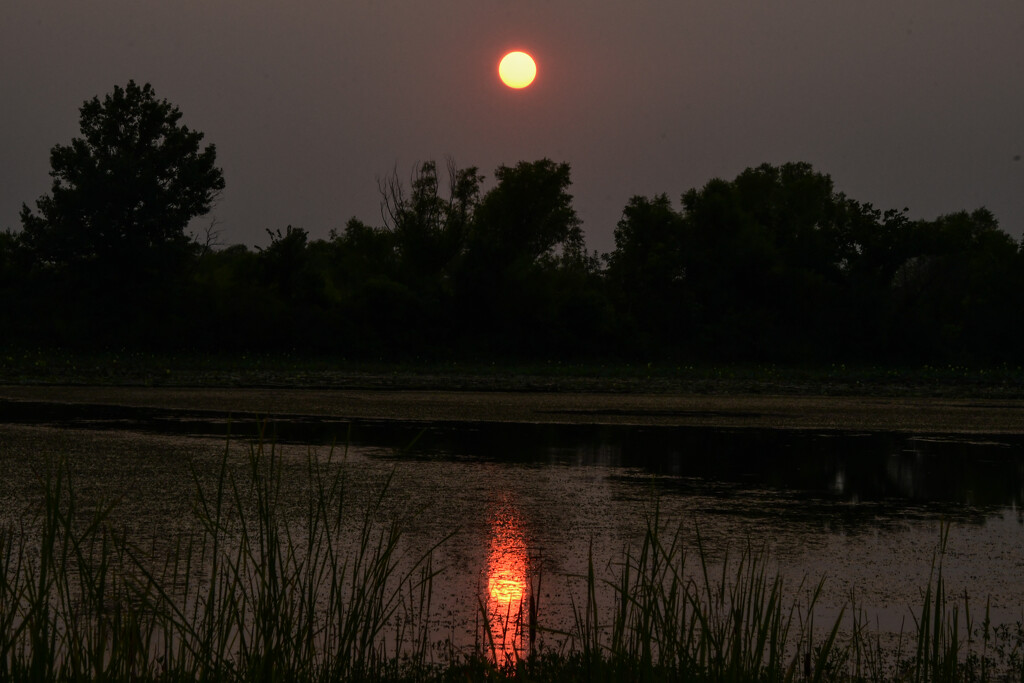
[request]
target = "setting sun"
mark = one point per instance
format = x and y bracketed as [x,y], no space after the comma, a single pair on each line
[517,70]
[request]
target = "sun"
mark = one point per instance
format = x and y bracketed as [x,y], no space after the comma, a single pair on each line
[517,70]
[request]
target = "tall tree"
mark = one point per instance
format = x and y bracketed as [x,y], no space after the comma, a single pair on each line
[430,229]
[529,213]
[958,293]
[764,259]
[646,271]
[524,228]
[124,192]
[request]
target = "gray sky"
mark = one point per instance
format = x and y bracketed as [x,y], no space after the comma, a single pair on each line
[916,103]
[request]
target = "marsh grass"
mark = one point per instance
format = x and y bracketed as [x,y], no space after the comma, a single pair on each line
[322,589]
[250,596]
[674,618]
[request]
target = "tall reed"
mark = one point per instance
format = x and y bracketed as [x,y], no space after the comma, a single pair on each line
[252,595]
[668,623]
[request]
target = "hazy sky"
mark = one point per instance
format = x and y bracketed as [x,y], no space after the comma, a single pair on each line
[904,103]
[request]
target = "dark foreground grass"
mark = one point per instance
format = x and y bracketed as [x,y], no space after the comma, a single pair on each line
[326,594]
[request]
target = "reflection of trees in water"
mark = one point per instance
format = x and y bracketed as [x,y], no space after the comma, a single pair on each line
[839,479]
[839,482]
[891,469]
[956,472]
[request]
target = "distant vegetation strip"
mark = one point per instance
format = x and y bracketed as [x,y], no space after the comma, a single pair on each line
[774,265]
[301,370]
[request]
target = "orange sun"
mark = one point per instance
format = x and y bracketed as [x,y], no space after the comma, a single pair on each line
[517,70]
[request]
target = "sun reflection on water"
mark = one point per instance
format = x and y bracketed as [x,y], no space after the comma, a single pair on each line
[508,584]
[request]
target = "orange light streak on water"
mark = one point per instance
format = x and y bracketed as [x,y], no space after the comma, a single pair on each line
[506,578]
[507,583]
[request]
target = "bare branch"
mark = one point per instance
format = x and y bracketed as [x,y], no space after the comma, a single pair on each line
[392,198]
[210,238]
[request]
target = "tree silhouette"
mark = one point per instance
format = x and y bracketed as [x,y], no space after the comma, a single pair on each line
[957,293]
[774,264]
[429,229]
[646,272]
[124,192]
[528,214]
[524,228]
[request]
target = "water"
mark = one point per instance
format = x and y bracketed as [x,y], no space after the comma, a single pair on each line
[522,507]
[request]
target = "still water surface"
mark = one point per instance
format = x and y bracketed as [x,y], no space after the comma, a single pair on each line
[523,506]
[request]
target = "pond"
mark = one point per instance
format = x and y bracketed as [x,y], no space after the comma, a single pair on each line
[521,509]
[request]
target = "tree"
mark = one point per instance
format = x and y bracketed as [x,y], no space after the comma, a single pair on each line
[766,259]
[125,191]
[284,265]
[430,230]
[15,291]
[523,230]
[958,293]
[528,213]
[646,269]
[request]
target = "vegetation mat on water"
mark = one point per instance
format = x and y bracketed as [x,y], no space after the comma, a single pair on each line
[329,594]
[63,367]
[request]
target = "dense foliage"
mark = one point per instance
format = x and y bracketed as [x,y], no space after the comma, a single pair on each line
[106,249]
[772,265]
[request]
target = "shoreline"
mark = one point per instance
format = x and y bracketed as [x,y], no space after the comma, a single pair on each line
[907,414]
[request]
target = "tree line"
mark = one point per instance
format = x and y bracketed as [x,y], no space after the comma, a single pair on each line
[773,265]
